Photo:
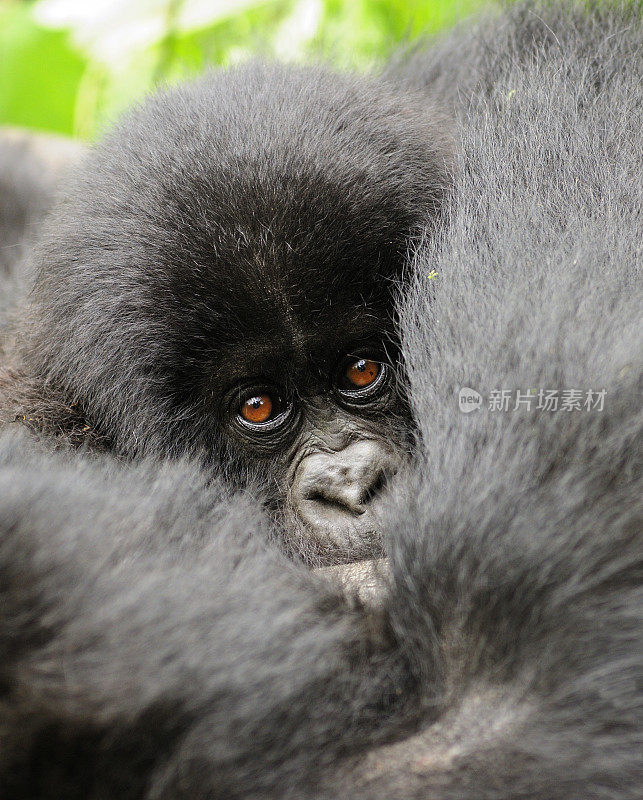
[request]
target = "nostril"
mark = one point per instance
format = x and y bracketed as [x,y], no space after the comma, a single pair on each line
[350,495]
[377,486]
[316,496]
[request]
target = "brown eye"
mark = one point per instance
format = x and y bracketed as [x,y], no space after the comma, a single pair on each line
[362,372]
[257,409]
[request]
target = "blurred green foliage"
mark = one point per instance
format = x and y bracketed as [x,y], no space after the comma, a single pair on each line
[71,65]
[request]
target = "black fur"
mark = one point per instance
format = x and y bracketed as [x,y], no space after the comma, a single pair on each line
[154,644]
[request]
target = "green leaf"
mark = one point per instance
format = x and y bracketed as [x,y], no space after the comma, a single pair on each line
[39,73]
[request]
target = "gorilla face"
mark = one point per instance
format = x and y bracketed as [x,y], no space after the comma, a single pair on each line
[220,280]
[329,425]
[297,384]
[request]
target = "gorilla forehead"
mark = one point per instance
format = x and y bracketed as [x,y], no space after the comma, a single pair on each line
[229,194]
[277,275]
[292,249]
[274,178]
[268,316]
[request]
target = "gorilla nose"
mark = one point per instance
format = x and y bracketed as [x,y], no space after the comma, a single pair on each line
[334,493]
[348,479]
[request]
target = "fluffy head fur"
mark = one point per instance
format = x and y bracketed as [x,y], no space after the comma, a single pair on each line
[245,222]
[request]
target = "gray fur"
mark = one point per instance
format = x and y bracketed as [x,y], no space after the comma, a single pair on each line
[154,644]
[32,167]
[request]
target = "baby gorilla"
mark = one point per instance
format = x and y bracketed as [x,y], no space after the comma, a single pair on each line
[219,281]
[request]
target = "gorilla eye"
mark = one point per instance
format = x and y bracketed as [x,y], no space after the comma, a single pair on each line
[257,409]
[362,372]
[361,379]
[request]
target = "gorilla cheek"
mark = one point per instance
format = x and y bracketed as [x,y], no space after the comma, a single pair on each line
[337,494]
